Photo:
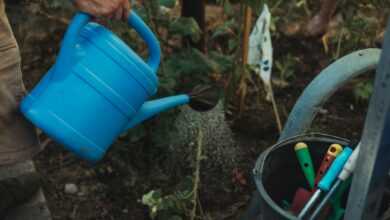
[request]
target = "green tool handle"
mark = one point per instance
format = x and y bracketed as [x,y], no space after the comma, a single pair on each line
[285,205]
[306,164]
[335,200]
[337,214]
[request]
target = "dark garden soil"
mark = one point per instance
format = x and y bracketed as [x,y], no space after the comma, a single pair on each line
[113,188]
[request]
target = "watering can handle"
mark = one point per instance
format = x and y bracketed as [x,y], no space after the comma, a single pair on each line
[147,35]
[324,86]
[81,19]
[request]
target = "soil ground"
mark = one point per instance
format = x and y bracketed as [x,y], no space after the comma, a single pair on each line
[113,188]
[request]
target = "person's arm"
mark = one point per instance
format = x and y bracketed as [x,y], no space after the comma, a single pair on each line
[118,9]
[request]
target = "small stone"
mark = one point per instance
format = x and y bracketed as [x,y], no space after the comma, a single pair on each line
[125,211]
[123,135]
[323,111]
[83,191]
[71,188]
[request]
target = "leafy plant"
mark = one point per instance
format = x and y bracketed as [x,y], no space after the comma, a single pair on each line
[363,90]
[184,201]
[168,207]
[168,3]
[227,28]
[56,4]
[185,27]
[176,205]
[285,67]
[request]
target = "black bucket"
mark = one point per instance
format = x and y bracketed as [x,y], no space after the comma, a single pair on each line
[278,175]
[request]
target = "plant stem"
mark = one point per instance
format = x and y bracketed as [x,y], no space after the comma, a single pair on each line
[340,39]
[276,111]
[197,174]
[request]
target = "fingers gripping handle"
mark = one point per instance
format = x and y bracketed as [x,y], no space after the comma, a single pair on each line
[81,19]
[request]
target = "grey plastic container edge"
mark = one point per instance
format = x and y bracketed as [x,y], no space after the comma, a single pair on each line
[270,209]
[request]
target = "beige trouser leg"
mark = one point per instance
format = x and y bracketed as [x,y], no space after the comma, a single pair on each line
[18,139]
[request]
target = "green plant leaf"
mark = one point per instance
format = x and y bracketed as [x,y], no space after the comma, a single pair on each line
[363,90]
[154,201]
[225,62]
[168,3]
[152,198]
[227,28]
[228,8]
[188,68]
[175,217]
[186,27]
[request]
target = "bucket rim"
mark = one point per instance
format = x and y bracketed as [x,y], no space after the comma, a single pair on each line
[260,164]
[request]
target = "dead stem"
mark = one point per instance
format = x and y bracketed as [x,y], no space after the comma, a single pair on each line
[197,174]
[276,110]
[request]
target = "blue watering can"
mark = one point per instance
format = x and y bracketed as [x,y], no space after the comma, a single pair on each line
[97,89]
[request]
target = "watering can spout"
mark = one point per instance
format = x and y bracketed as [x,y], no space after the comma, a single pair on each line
[151,108]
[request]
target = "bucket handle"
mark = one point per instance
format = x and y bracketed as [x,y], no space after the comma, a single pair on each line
[81,19]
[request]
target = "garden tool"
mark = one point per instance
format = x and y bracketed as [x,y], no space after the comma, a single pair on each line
[304,158]
[98,88]
[326,182]
[285,205]
[302,195]
[347,170]
[335,201]
[334,206]
[331,154]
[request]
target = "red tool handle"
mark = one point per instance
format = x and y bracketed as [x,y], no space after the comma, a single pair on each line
[325,164]
[331,154]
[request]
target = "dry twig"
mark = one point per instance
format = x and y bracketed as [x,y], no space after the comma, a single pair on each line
[197,175]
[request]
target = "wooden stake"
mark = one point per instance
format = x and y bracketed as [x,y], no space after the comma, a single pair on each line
[276,111]
[247,29]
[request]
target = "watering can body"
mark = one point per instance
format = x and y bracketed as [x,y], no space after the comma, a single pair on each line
[97,89]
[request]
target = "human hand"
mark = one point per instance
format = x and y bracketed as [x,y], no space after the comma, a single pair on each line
[118,9]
